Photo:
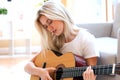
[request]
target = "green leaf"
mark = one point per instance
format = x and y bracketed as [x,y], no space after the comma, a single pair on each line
[0,11]
[4,11]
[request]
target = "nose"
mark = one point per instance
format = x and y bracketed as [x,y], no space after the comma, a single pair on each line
[50,28]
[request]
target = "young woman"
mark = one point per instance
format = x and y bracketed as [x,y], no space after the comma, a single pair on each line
[58,32]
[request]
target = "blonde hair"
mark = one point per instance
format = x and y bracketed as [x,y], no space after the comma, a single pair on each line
[54,11]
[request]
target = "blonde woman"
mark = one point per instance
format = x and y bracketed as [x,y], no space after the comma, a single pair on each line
[59,33]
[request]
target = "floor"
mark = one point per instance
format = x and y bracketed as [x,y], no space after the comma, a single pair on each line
[12,68]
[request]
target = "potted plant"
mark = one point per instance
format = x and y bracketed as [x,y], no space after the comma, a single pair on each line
[3,11]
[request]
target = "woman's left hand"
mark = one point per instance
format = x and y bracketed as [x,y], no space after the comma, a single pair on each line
[89,74]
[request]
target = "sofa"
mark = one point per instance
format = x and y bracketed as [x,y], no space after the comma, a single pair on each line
[108,42]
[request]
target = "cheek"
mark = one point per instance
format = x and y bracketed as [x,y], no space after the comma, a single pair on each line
[61,28]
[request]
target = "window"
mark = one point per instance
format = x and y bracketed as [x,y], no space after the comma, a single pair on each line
[91,11]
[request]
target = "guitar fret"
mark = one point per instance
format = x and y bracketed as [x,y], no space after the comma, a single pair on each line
[103,69]
[70,72]
[73,72]
[78,71]
[109,70]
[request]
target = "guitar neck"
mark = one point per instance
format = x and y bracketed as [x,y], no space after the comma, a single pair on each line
[78,71]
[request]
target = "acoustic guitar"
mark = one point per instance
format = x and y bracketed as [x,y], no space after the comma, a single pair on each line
[70,66]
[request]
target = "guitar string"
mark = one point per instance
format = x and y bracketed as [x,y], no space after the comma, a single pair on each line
[73,71]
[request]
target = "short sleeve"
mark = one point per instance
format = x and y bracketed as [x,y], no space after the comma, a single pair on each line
[89,46]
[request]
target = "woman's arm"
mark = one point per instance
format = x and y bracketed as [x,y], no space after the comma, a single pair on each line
[32,69]
[91,61]
[38,71]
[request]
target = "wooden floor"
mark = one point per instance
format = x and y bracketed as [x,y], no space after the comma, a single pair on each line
[12,68]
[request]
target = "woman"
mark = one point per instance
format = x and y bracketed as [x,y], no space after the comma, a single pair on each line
[58,32]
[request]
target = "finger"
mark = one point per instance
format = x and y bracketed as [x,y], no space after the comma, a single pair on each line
[91,74]
[49,78]
[88,68]
[86,74]
[51,70]
[85,77]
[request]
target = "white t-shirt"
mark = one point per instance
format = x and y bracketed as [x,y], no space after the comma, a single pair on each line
[83,45]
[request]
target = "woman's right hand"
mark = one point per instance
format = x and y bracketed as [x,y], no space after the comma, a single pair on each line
[45,73]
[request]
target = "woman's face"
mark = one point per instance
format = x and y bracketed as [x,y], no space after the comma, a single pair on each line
[54,26]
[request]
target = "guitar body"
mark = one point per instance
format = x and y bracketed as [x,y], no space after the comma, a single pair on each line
[53,60]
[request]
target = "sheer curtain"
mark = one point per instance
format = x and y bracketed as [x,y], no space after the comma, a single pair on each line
[91,11]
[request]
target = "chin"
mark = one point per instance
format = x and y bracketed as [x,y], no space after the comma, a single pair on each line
[57,34]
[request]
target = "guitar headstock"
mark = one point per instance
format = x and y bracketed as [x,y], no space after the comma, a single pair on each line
[117,69]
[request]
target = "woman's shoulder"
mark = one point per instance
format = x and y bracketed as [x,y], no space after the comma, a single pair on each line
[80,30]
[85,34]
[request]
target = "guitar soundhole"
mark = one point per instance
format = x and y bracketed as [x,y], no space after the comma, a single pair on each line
[59,73]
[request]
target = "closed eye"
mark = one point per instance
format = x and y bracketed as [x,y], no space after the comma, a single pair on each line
[49,22]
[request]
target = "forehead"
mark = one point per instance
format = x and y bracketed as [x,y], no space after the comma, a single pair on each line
[43,19]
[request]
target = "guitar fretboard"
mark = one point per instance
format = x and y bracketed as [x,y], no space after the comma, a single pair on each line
[78,71]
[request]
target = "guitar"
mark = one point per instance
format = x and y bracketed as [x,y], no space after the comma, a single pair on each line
[70,66]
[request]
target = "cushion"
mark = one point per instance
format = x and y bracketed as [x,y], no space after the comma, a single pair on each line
[108,51]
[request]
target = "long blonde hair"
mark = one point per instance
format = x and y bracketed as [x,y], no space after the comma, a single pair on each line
[54,11]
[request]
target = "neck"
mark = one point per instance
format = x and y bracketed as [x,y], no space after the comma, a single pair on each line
[73,34]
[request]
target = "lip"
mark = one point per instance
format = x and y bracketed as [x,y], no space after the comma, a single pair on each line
[54,32]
